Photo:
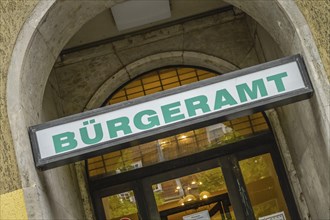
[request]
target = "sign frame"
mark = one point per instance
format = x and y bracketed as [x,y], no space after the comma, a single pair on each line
[173,128]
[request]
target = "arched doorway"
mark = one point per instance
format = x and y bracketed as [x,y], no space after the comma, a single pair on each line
[238,165]
[53,23]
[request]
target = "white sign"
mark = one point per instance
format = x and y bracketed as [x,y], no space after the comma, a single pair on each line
[276,216]
[204,215]
[225,94]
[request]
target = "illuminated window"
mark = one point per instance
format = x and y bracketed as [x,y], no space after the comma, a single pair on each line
[178,145]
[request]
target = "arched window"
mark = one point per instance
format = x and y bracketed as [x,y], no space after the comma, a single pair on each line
[175,146]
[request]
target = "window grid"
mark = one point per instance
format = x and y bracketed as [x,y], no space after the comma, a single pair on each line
[174,146]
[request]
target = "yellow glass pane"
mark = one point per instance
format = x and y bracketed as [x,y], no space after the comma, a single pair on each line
[135,95]
[205,76]
[171,80]
[152,85]
[263,186]
[117,100]
[96,165]
[185,70]
[193,190]
[96,172]
[120,206]
[133,90]
[112,154]
[170,86]
[167,74]
[133,84]
[188,81]
[150,78]
[188,75]
[259,128]
[95,159]
[120,93]
[152,91]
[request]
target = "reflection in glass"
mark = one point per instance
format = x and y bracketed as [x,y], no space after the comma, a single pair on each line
[177,146]
[194,193]
[263,186]
[120,206]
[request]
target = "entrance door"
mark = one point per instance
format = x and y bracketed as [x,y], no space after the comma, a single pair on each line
[229,187]
[243,180]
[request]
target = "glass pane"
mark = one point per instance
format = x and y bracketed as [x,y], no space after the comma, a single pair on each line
[194,193]
[263,186]
[120,206]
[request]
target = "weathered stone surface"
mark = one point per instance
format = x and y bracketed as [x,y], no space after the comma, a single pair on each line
[230,41]
[33,83]
[307,153]
[78,82]
[66,17]
[12,16]
[205,22]
[148,38]
[317,14]
[130,55]
[207,61]
[155,61]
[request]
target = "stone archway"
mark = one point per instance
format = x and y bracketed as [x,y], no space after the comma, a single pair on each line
[154,62]
[53,23]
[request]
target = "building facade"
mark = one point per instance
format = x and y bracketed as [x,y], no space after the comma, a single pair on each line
[52,68]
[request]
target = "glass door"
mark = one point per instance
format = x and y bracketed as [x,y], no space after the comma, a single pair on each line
[243,180]
[263,186]
[231,187]
[200,192]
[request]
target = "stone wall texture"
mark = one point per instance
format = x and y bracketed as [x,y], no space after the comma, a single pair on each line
[317,14]
[13,13]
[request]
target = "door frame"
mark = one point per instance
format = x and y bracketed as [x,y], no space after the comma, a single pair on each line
[141,180]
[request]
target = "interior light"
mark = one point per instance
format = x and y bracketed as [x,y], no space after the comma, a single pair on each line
[183,136]
[189,198]
[181,202]
[204,195]
[193,182]
[200,183]
[178,187]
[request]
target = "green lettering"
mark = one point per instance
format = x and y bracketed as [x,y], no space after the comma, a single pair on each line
[97,130]
[257,85]
[171,112]
[223,98]
[278,80]
[64,142]
[198,102]
[153,119]
[118,124]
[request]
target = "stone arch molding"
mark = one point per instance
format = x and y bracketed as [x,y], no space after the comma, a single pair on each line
[153,62]
[52,23]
